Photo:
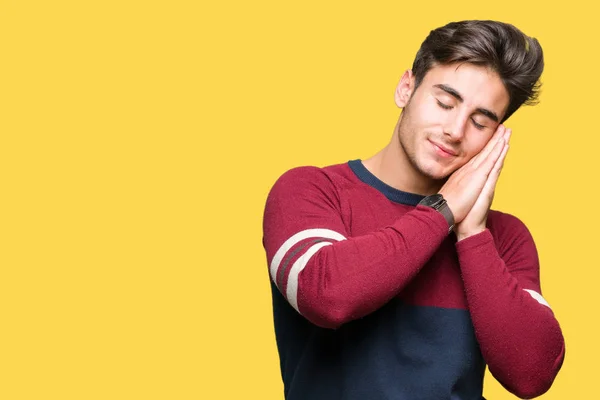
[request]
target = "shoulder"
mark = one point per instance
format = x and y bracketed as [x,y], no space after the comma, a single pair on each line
[302,173]
[508,230]
[301,198]
[300,179]
[504,222]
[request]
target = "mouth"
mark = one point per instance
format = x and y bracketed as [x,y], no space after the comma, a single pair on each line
[443,150]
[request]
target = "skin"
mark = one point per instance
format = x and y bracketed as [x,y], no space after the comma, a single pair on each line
[448,140]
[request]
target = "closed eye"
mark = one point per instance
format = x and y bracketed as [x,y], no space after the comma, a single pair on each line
[444,106]
[478,126]
[447,107]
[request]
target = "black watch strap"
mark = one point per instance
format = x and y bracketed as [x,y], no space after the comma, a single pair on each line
[445,210]
[437,202]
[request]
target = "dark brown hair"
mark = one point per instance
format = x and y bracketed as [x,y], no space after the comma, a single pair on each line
[517,58]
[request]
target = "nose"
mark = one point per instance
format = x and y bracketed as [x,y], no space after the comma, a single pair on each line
[455,126]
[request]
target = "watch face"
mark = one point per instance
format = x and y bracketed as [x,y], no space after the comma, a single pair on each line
[432,201]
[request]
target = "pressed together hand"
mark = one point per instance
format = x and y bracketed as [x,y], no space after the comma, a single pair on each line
[469,191]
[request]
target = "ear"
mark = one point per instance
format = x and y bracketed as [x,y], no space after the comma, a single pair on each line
[404,89]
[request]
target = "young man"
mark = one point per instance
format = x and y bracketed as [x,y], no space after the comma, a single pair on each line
[391,278]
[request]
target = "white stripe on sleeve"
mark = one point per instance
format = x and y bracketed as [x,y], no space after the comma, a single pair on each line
[295,239]
[292,286]
[538,297]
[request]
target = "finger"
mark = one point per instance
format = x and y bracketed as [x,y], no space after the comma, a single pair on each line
[490,184]
[489,147]
[500,131]
[489,163]
[507,135]
[500,162]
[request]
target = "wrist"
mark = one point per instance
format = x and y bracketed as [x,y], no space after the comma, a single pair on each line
[438,203]
[464,234]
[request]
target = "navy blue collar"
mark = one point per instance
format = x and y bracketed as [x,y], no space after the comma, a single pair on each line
[391,193]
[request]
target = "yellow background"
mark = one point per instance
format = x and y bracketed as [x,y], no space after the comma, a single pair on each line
[139,140]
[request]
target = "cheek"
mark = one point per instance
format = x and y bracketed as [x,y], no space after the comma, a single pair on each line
[475,144]
[431,115]
[425,112]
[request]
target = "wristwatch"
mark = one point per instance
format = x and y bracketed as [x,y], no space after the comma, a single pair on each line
[437,202]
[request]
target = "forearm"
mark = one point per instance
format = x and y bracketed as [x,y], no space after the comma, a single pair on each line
[519,337]
[348,279]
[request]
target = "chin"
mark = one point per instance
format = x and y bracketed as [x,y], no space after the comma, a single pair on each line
[436,176]
[433,170]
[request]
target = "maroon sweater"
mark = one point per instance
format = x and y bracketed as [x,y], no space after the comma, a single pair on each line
[415,315]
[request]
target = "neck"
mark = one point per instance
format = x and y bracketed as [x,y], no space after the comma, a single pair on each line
[392,166]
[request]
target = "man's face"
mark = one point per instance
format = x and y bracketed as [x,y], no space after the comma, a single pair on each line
[450,117]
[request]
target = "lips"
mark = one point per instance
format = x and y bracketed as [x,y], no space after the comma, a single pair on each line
[444,149]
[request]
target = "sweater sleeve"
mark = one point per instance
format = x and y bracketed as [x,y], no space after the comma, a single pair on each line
[519,336]
[328,276]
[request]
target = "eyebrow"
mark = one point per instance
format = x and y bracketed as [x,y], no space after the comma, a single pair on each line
[452,92]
